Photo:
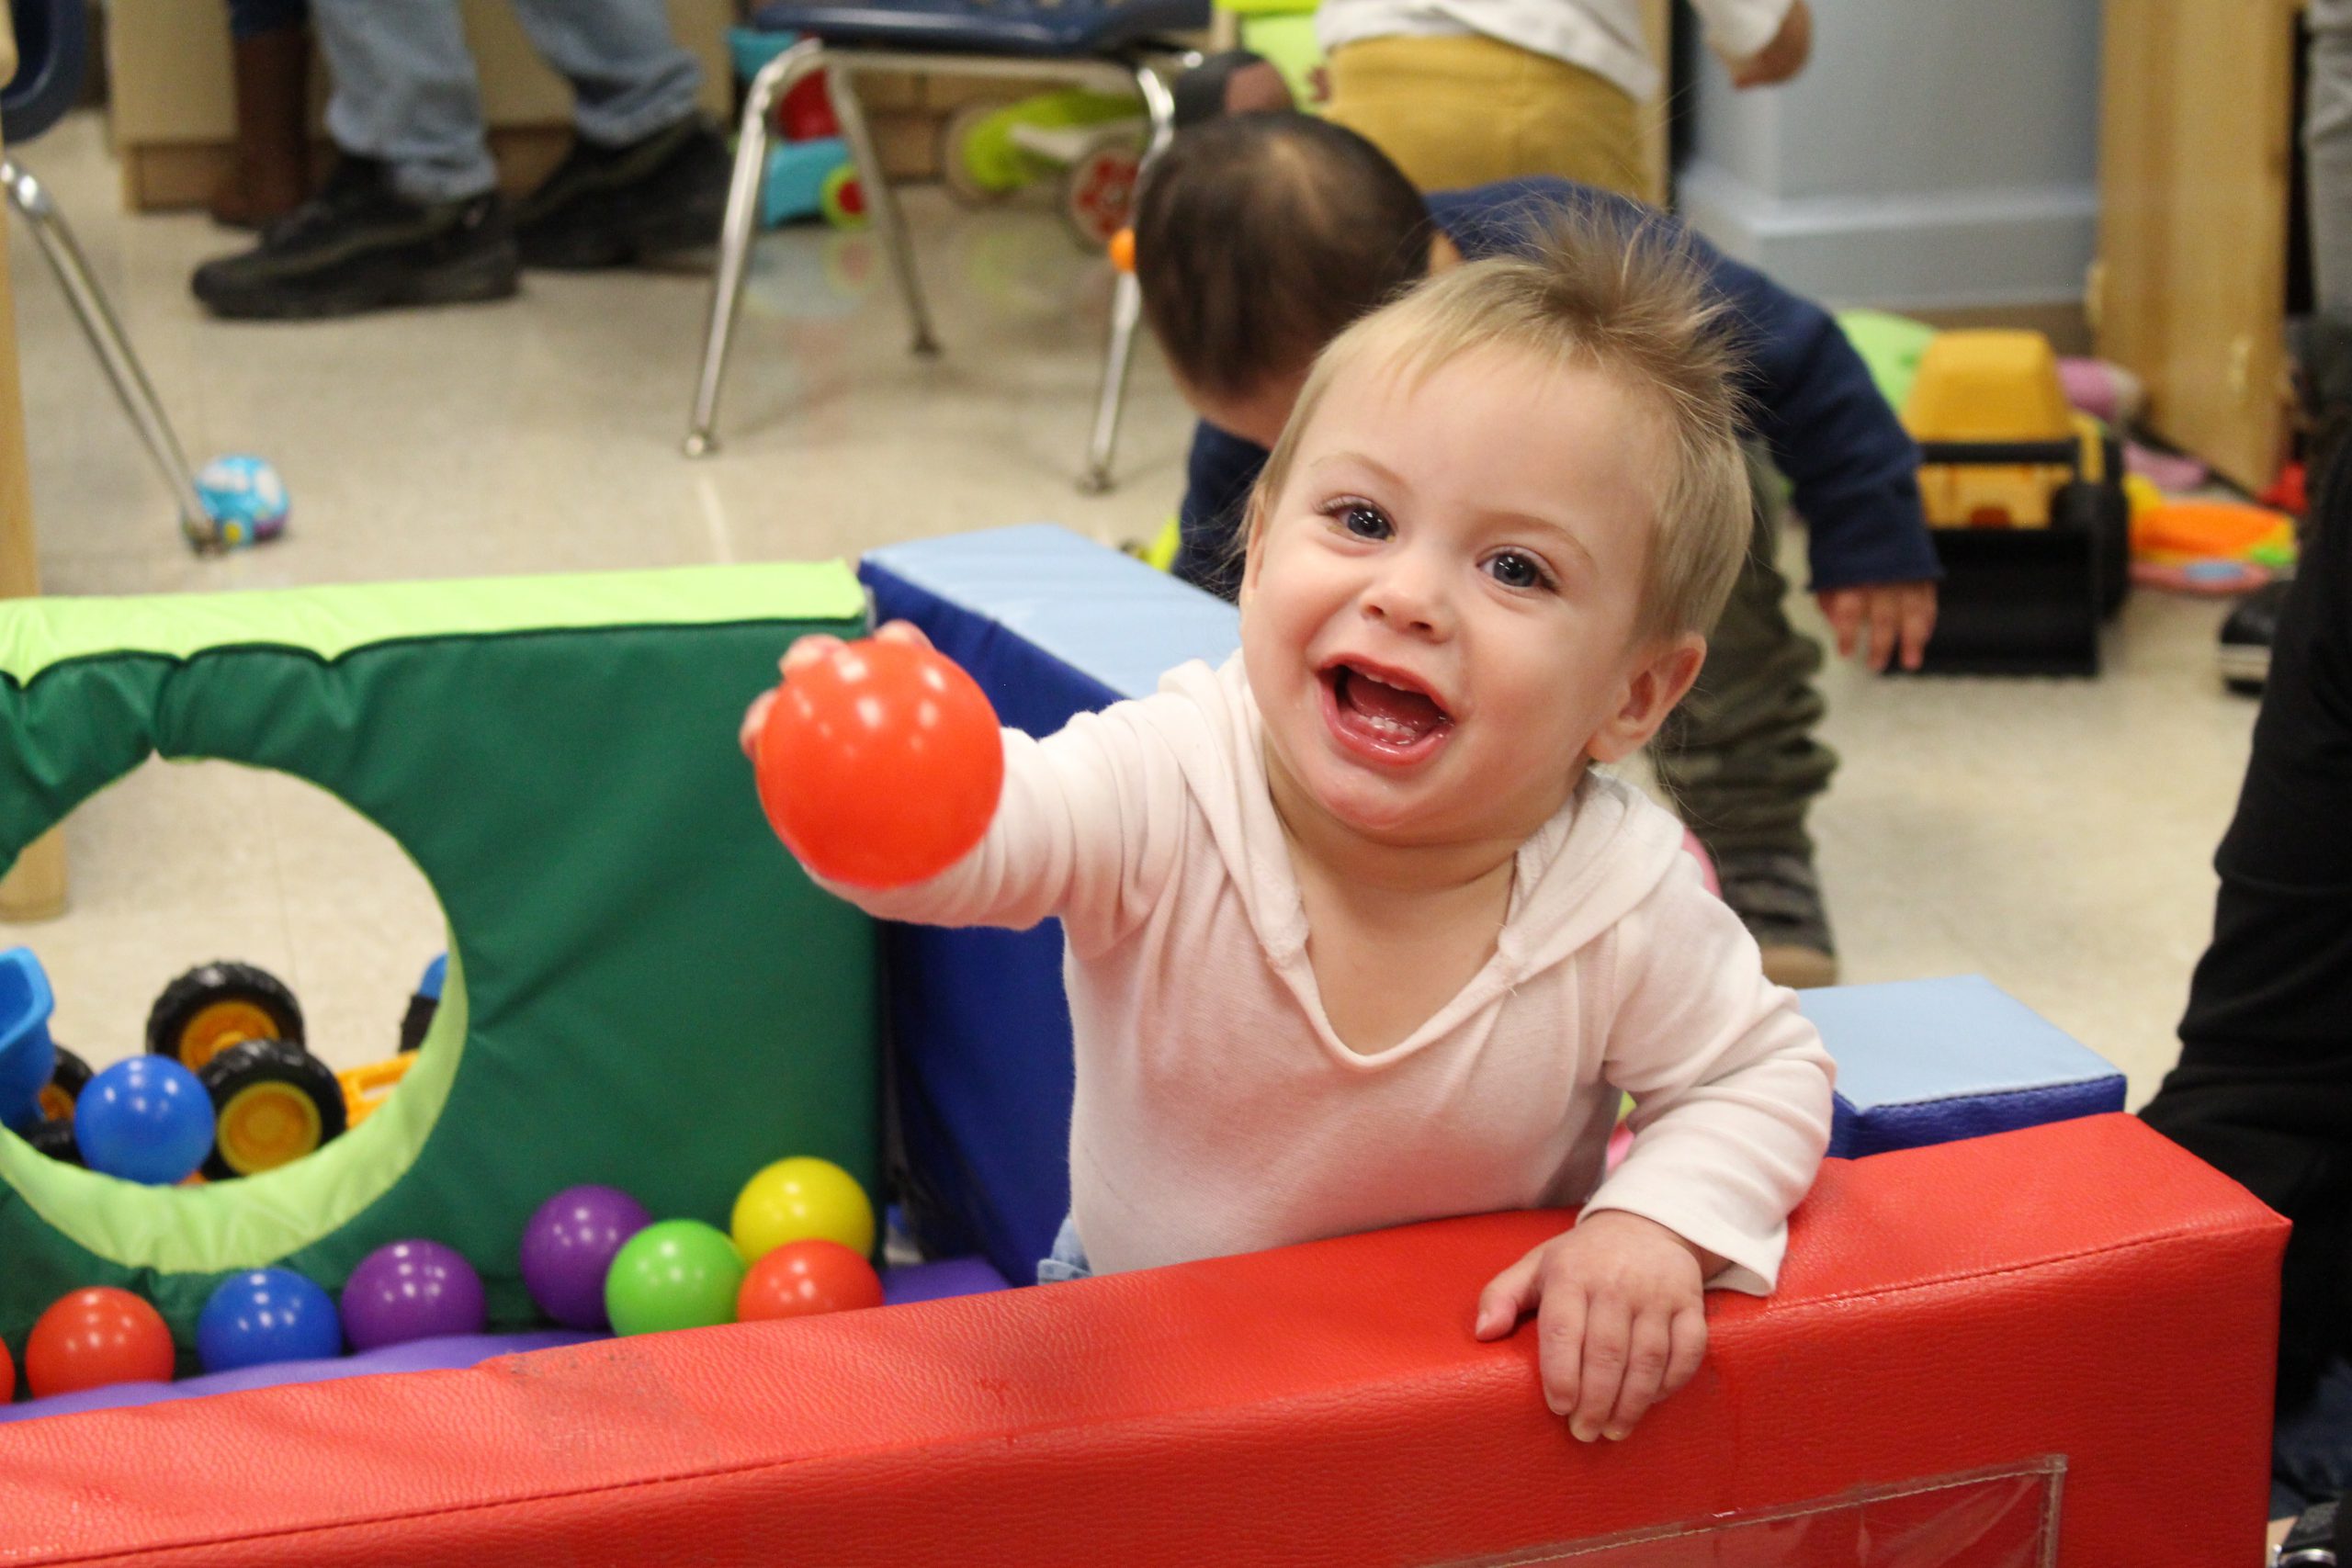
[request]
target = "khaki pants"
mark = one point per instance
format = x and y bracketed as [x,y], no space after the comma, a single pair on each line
[1467,110]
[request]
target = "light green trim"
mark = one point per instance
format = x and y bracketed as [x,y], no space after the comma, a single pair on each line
[332,620]
[258,1220]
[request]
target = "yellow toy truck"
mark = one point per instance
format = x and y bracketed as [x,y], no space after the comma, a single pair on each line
[2026,496]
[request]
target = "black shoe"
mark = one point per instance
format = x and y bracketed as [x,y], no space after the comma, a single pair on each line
[1777,895]
[612,205]
[2247,636]
[359,245]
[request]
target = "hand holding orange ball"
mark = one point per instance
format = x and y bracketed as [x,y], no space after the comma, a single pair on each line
[879,761]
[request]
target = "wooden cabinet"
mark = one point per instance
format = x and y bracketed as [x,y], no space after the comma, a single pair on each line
[2196,144]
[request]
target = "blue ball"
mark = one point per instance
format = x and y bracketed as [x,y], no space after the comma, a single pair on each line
[268,1315]
[244,497]
[146,1119]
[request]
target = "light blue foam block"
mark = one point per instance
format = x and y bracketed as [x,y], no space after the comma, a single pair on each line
[1929,1061]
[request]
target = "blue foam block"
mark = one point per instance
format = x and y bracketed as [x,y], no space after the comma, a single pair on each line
[1933,1061]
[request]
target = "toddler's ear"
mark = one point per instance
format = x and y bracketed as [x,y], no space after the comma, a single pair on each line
[1652,688]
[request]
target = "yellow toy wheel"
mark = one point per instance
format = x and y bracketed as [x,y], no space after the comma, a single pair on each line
[64,1086]
[272,1103]
[216,1007]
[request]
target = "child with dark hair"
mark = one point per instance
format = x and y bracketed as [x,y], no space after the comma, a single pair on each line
[1261,237]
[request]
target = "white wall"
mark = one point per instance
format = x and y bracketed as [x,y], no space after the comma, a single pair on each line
[1935,152]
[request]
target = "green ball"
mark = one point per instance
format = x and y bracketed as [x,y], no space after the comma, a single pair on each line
[674,1274]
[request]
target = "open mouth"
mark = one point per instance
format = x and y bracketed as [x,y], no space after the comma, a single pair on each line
[1383,716]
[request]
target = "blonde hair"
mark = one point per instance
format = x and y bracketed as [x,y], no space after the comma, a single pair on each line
[1604,294]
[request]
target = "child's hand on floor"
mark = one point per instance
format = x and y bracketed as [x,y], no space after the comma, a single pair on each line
[1621,1324]
[804,652]
[1893,614]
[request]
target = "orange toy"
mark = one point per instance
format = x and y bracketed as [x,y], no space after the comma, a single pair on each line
[2181,531]
[880,763]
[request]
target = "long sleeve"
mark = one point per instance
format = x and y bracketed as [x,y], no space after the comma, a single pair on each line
[1731,1084]
[1089,828]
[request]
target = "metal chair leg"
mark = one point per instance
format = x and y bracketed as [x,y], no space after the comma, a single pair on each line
[882,202]
[772,80]
[106,334]
[1127,303]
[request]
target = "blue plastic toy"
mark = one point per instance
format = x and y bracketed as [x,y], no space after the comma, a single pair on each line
[28,1056]
[244,498]
[267,1315]
[145,1119]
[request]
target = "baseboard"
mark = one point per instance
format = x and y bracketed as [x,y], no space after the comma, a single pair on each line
[1943,251]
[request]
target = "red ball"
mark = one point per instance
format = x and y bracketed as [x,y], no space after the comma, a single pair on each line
[880,765]
[94,1337]
[805,1277]
[7,1376]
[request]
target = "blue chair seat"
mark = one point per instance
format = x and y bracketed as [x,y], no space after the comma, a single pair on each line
[1071,28]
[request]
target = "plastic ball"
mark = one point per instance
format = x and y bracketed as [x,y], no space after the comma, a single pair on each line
[411,1290]
[94,1338]
[144,1119]
[673,1274]
[880,765]
[246,498]
[569,1247]
[802,1199]
[802,1278]
[7,1376]
[263,1315]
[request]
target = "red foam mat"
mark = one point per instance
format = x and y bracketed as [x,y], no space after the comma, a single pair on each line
[2084,1290]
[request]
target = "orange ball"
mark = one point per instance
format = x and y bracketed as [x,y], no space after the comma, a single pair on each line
[94,1337]
[880,765]
[802,1278]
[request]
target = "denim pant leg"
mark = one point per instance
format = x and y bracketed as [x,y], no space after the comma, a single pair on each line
[2311,1449]
[630,76]
[405,94]
[1068,1260]
[1738,755]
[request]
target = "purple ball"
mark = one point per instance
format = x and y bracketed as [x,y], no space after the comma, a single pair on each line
[568,1248]
[411,1290]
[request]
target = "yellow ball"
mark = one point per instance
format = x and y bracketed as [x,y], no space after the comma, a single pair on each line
[798,1199]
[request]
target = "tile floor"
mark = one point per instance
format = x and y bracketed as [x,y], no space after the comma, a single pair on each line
[2053,836]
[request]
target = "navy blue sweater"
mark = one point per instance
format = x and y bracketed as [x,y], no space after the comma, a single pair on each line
[1855,470]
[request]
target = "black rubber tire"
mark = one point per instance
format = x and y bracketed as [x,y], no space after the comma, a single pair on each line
[2102,511]
[55,1139]
[207,984]
[241,1067]
[66,1080]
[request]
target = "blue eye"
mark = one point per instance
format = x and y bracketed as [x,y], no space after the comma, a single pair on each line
[1516,568]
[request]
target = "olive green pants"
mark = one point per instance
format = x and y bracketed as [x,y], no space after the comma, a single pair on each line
[1738,756]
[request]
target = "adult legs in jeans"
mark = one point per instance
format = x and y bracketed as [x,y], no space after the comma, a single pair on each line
[412,216]
[405,92]
[1741,759]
